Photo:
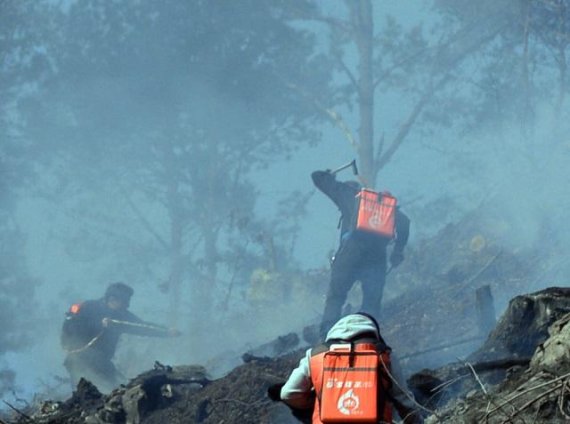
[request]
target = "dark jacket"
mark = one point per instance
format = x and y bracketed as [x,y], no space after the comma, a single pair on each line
[343,195]
[84,325]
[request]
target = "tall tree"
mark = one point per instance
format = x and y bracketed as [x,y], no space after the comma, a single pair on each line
[525,66]
[168,107]
[393,66]
[21,60]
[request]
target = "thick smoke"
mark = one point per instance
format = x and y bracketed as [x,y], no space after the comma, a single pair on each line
[158,157]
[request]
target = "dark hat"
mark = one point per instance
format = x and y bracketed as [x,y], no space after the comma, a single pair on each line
[120,291]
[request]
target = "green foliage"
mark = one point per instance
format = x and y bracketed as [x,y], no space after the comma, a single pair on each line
[156,116]
[522,66]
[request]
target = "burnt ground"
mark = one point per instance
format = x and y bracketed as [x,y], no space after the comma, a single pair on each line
[519,379]
[429,317]
[240,397]
[179,395]
[533,393]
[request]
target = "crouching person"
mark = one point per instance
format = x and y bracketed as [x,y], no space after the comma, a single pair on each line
[350,378]
[91,332]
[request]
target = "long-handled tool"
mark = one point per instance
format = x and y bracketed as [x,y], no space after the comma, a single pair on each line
[114,321]
[351,164]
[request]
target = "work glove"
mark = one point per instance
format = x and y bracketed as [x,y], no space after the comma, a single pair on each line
[274,392]
[302,415]
[396,258]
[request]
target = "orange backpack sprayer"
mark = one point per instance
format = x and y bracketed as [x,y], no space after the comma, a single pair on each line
[351,384]
[376,212]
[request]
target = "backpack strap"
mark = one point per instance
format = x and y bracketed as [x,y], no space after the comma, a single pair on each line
[351,355]
[316,369]
[384,390]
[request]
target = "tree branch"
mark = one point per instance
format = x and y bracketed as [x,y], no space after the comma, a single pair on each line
[418,108]
[397,65]
[333,22]
[407,126]
[27,417]
[379,150]
[335,117]
[146,224]
[519,394]
[348,72]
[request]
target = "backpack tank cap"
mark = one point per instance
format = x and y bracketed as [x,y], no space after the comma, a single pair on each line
[75,308]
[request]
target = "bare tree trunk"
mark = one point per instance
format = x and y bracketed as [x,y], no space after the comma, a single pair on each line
[562,76]
[211,263]
[362,23]
[562,65]
[526,107]
[210,232]
[175,274]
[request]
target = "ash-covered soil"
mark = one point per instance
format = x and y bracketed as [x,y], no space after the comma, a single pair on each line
[430,319]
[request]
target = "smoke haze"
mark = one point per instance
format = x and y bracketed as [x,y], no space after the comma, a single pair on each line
[170,146]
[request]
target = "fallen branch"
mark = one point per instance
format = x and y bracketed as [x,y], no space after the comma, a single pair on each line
[561,400]
[501,364]
[440,347]
[447,383]
[529,403]
[27,417]
[477,378]
[530,389]
[489,398]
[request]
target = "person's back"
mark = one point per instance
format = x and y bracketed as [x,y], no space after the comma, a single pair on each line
[84,324]
[306,384]
[343,195]
[361,255]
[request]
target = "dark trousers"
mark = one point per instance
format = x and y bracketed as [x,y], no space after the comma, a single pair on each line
[355,261]
[97,369]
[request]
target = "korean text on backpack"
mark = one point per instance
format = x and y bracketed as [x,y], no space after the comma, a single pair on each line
[376,212]
[353,386]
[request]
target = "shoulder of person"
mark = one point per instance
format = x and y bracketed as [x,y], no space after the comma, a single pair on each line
[84,306]
[94,307]
[82,311]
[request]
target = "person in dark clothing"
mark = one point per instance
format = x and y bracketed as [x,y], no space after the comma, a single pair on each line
[361,255]
[91,331]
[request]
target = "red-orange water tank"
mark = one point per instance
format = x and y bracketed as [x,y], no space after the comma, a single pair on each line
[376,212]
